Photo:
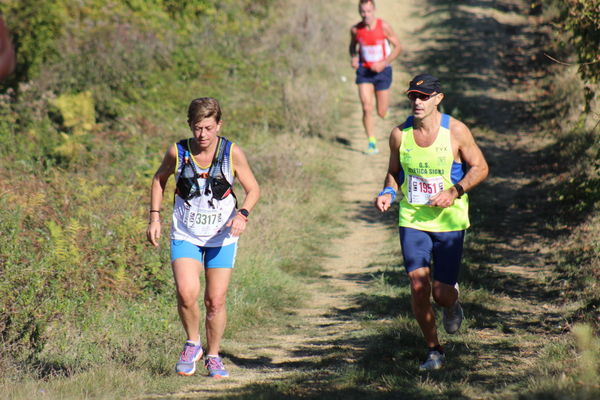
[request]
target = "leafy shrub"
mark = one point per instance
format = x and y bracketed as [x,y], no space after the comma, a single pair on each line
[34,26]
[74,206]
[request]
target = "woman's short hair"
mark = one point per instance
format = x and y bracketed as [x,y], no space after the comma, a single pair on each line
[203,107]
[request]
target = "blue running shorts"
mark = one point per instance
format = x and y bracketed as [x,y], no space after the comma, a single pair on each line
[419,248]
[210,257]
[381,80]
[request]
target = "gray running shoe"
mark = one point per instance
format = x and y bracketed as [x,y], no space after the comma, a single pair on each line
[435,360]
[215,367]
[187,361]
[452,316]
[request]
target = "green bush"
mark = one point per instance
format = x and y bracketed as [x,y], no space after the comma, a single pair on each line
[35,27]
[79,282]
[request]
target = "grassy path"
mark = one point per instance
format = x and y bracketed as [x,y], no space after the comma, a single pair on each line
[356,337]
[322,334]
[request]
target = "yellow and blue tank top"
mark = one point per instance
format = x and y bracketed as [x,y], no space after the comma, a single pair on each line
[424,172]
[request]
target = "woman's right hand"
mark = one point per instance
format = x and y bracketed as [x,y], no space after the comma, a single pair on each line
[153,232]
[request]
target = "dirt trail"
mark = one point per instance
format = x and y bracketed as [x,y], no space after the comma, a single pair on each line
[324,332]
[321,326]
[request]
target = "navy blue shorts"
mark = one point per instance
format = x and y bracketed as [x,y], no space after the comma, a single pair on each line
[419,248]
[381,80]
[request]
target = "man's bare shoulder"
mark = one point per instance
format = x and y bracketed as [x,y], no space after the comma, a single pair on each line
[396,135]
[357,26]
[458,128]
[399,128]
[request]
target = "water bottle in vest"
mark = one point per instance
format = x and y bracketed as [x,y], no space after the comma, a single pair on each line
[188,178]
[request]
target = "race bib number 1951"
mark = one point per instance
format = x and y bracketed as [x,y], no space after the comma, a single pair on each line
[420,189]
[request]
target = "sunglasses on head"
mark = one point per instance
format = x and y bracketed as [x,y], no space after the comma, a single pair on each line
[412,96]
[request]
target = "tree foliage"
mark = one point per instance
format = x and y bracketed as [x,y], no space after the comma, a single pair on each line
[34,26]
[101,89]
[581,20]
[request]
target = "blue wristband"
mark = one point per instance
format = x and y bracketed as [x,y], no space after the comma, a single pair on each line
[389,190]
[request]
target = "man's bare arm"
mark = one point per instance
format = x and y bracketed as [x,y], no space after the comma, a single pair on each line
[384,202]
[471,154]
[352,49]
[393,39]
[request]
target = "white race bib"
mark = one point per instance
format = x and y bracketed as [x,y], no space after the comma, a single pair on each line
[420,189]
[203,221]
[372,53]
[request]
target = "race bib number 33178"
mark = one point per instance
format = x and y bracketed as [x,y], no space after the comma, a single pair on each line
[202,221]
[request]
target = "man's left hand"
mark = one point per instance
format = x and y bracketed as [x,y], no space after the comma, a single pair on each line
[444,198]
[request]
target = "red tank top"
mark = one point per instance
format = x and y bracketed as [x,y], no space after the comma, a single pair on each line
[374,46]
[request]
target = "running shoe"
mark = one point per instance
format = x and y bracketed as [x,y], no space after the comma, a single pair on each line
[189,356]
[452,316]
[435,360]
[215,367]
[372,149]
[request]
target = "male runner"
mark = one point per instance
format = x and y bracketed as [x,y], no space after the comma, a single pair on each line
[372,55]
[434,160]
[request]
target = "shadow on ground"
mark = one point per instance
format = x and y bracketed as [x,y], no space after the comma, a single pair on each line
[476,57]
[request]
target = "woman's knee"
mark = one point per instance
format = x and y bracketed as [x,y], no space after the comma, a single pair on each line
[214,304]
[187,298]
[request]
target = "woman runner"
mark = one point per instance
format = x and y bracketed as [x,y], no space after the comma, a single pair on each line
[205,227]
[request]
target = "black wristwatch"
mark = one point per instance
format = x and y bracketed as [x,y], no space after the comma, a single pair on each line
[244,212]
[459,189]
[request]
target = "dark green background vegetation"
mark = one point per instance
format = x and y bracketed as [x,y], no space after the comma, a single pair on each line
[74,265]
[74,195]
